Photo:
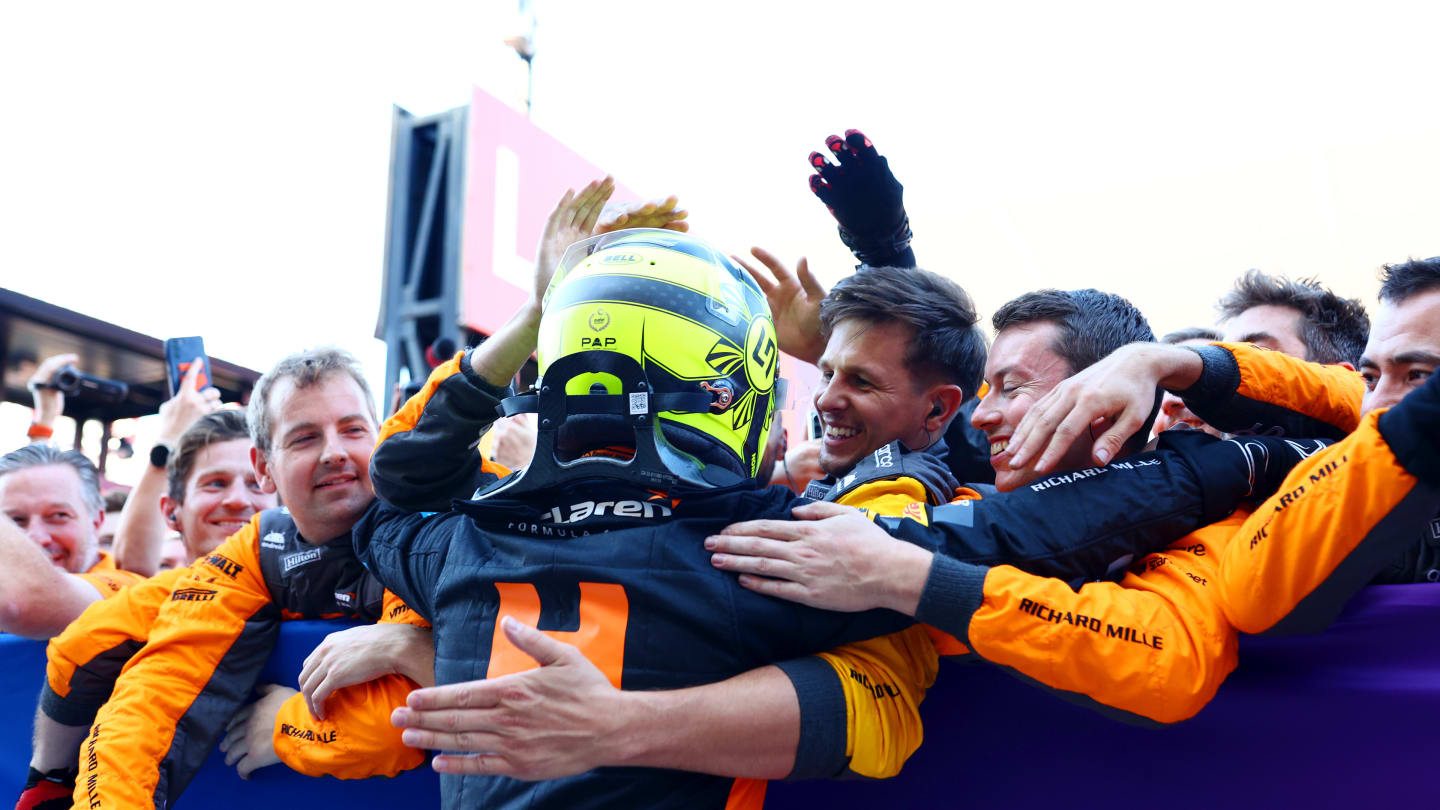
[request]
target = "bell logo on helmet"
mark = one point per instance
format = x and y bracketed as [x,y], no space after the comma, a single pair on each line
[621,258]
[761,355]
[599,319]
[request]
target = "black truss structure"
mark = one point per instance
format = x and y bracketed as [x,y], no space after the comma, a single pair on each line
[420,299]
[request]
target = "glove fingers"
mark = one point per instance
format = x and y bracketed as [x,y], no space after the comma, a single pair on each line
[822,190]
[844,155]
[861,146]
[827,170]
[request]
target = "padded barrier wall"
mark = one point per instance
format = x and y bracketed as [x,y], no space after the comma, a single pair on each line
[1349,717]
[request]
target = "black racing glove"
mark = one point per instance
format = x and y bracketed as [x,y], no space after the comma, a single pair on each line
[865,199]
[1271,458]
[48,791]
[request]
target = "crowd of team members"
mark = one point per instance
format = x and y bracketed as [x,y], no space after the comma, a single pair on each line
[1211,483]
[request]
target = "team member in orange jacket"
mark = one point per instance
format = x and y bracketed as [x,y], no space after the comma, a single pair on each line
[313,423]
[1155,644]
[212,492]
[1049,634]
[49,539]
[1270,584]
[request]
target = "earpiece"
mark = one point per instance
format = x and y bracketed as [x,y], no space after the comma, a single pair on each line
[937,410]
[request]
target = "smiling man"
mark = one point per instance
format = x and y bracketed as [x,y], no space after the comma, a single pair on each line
[212,493]
[903,352]
[313,425]
[50,565]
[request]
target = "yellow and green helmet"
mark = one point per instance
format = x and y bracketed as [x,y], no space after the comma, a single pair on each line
[696,328]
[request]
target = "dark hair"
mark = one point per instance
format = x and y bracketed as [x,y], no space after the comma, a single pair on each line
[212,428]
[1092,323]
[1191,333]
[947,343]
[1333,329]
[43,455]
[1400,281]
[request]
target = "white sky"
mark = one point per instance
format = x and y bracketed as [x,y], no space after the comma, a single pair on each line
[198,168]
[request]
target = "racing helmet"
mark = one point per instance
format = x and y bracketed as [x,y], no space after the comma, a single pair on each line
[651,338]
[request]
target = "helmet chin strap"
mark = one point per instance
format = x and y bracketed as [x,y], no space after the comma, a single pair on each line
[657,464]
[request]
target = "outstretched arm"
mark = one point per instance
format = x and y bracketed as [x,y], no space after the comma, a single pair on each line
[865,199]
[807,718]
[1337,519]
[1235,387]
[567,718]
[140,533]
[576,217]
[37,600]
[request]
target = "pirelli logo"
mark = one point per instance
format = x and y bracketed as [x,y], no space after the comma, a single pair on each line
[192,595]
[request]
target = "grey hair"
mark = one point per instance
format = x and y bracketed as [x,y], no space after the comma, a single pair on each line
[43,455]
[306,368]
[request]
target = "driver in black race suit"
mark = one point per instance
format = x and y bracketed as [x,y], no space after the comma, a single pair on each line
[641,333]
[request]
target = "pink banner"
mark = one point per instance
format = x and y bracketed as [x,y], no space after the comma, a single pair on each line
[516,172]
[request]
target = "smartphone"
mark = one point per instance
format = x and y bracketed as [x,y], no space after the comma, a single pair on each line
[179,354]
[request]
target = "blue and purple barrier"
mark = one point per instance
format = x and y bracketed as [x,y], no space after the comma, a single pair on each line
[1350,717]
[216,786]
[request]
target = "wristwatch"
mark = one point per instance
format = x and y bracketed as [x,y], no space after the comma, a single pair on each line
[160,455]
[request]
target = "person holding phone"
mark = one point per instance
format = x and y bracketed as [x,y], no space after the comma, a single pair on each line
[140,535]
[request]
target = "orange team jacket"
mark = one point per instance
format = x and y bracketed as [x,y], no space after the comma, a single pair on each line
[1154,645]
[187,645]
[1339,516]
[107,579]
[1158,643]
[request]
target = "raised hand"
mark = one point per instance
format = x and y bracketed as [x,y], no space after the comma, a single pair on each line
[648,214]
[49,402]
[573,219]
[865,198]
[794,304]
[190,403]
